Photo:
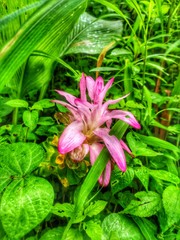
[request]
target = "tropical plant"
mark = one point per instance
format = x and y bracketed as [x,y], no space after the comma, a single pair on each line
[48,180]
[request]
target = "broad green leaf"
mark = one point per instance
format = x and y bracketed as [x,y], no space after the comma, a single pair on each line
[67,210]
[24,204]
[156,142]
[95,208]
[46,121]
[17,103]
[171,203]
[5,178]
[139,148]
[117,226]
[21,158]
[46,28]
[165,176]
[93,230]
[74,234]
[63,210]
[2,232]
[4,109]
[147,205]
[54,234]
[124,198]
[120,180]
[120,51]
[148,229]
[91,35]
[44,103]
[30,119]
[142,173]
[11,16]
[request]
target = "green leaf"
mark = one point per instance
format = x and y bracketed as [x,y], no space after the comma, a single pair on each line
[55,234]
[17,103]
[21,158]
[4,109]
[93,230]
[171,203]
[5,178]
[91,35]
[45,30]
[46,121]
[63,210]
[124,198]
[148,205]
[120,180]
[95,208]
[142,173]
[44,103]
[24,204]
[165,176]
[117,226]
[148,229]
[156,142]
[140,148]
[30,119]
[74,234]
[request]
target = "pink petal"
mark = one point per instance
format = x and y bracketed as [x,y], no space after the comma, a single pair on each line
[106,175]
[114,147]
[69,97]
[82,108]
[90,86]
[111,102]
[83,87]
[95,150]
[124,116]
[125,147]
[72,109]
[104,90]
[71,137]
[98,88]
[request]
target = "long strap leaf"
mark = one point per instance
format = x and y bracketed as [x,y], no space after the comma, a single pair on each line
[18,49]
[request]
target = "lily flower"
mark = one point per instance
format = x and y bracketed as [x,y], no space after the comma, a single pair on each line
[90,125]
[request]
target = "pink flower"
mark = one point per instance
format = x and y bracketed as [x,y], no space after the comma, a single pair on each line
[90,125]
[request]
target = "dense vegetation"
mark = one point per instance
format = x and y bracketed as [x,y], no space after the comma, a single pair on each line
[46,46]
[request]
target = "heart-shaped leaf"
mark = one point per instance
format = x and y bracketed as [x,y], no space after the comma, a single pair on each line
[20,159]
[117,226]
[24,204]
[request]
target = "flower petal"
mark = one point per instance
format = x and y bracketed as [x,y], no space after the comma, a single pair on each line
[69,97]
[98,88]
[83,87]
[94,151]
[110,102]
[125,147]
[71,137]
[114,147]
[72,109]
[104,179]
[124,116]
[90,86]
[104,90]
